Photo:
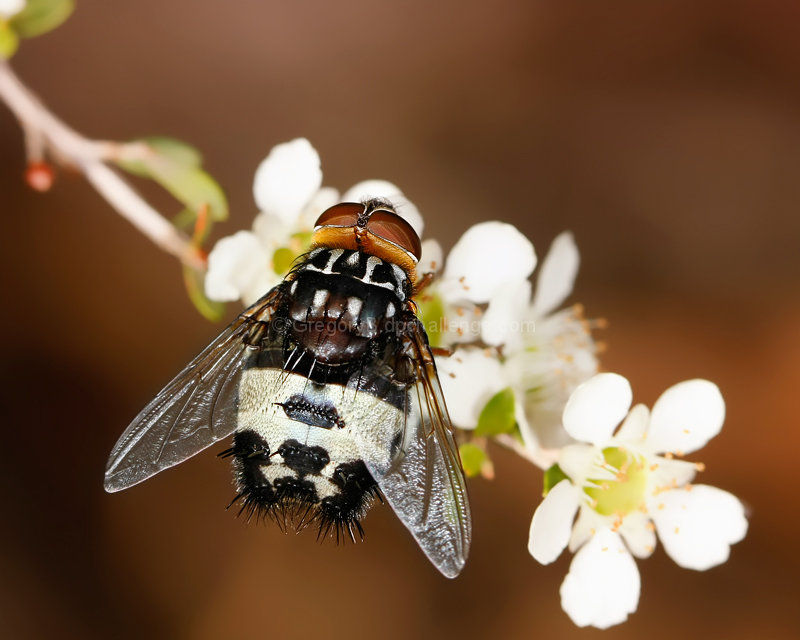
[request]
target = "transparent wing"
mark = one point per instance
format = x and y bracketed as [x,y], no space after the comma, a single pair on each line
[195,410]
[424,483]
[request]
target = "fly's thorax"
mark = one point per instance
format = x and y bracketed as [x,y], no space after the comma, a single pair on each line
[341,301]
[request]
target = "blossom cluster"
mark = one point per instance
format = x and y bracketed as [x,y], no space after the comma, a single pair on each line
[518,367]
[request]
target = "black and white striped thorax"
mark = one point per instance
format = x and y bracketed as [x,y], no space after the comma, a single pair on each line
[367,269]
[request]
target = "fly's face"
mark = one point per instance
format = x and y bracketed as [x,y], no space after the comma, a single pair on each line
[330,389]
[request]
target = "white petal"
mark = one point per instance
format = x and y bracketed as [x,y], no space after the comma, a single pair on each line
[432,257]
[9,8]
[552,522]
[323,199]
[602,586]
[580,461]
[384,189]
[686,417]
[487,255]
[541,457]
[588,523]
[504,321]
[635,425]
[698,526]
[670,473]
[639,534]
[557,274]
[272,231]
[469,379]
[462,323]
[596,407]
[261,284]
[234,264]
[287,179]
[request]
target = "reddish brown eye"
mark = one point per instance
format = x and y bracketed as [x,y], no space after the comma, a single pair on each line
[395,229]
[344,214]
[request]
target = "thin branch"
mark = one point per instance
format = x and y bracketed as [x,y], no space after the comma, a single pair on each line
[543,458]
[44,132]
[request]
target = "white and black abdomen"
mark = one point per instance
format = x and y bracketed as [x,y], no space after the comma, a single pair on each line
[325,388]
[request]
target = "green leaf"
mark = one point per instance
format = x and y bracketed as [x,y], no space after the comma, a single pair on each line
[177,151]
[185,220]
[473,458]
[176,167]
[8,41]
[41,16]
[194,279]
[552,477]
[498,415]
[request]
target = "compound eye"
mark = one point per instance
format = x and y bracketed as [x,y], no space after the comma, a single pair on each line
[344,214]
[392,227]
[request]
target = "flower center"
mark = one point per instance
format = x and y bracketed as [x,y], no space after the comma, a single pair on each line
[283,258]
[625,493]
[431,313]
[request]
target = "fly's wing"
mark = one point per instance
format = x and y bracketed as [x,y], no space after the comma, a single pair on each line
[424,483]
[196,409]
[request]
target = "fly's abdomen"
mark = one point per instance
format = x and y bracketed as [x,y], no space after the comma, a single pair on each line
[299,450]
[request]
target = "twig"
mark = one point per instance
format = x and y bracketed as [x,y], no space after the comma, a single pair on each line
[44,132]
[543,458]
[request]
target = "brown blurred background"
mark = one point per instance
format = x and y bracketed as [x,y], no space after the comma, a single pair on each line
[665,135]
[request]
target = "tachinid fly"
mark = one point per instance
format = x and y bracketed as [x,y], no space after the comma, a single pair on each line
[330,390]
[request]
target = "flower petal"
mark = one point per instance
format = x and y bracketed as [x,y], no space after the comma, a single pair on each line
[287,179]
[686,417]
[9,8]
[432,257]
[541,457]
[579,461]
[556,275]
[384,189]
[272,231]
[469,379]
[670,474]
[234,264]
[552,522]
[323,199]
[698,526]
[635,425]
[596,407]
[488,255]
[504,320]
[603,584]
[639,534]
[588,523]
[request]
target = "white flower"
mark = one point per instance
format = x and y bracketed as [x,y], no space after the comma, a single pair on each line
[288,191]
[10,8]
[544,354]
[489,256]
[625,487]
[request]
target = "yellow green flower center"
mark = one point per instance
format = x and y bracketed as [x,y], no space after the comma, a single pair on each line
[624,493]
[283,258]
[431,314]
